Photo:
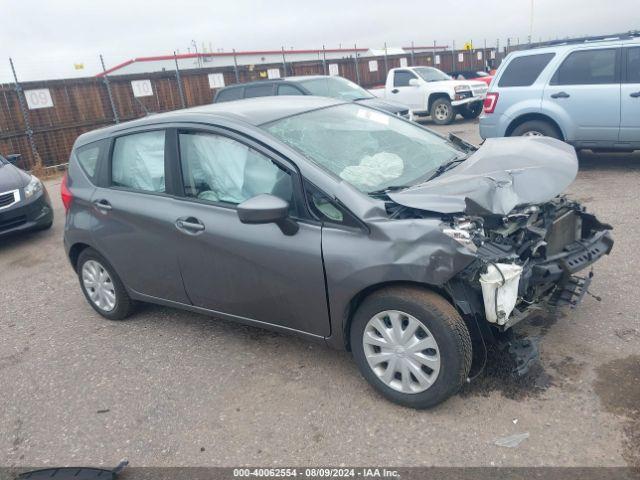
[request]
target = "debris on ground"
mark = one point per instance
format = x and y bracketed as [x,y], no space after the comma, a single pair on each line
[512,441]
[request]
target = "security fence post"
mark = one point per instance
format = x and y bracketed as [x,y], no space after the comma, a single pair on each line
[105,79]
[179,80]
[413,55]
[284,63]
[25,116]
[235,66]
[324,61]
[386,63]
[355,61]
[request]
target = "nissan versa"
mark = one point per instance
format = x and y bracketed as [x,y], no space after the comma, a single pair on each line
[333,221]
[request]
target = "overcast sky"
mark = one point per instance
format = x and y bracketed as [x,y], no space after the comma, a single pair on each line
[45,38]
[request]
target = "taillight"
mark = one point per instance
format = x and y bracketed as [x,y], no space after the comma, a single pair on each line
[490,102]
[65,193]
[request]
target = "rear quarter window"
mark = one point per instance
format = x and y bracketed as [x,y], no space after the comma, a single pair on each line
[89,155]
[524,71]
[229,94]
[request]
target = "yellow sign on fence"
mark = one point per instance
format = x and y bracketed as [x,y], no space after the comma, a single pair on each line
[468,46]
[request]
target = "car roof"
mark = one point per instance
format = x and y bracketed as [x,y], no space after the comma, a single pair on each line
[253,111]
[569,46]
[257,82]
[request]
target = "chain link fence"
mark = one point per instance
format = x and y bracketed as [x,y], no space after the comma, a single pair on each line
[40,120]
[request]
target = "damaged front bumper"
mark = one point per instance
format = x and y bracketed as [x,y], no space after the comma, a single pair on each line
[529,261]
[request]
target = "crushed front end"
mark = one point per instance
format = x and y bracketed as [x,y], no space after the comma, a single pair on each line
[527,260]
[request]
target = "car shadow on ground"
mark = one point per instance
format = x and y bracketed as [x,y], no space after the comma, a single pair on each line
[622,161]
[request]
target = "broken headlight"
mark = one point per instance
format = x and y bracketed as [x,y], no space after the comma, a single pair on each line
[464,230]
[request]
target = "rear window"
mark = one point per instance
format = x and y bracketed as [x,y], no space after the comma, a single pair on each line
[259,91]
[523,71]
[88,156]
[289,90]
[229,94]
[587,67]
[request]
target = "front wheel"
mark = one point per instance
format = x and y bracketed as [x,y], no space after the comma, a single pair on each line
[442,111]
[471,110]
[411,345]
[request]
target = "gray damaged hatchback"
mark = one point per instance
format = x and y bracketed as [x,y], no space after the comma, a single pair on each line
[333,221]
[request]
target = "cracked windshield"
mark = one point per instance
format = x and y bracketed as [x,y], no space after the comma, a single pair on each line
[369,149]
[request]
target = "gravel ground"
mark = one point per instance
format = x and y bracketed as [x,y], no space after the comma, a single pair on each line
[170,388]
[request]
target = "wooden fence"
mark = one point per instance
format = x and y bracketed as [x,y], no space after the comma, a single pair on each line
[81,105]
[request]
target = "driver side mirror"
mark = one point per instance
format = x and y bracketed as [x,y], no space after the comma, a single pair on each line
[267,208]
[414,82]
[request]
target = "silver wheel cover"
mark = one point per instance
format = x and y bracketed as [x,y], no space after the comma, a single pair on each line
[401,351]
[442,111]
[98,285]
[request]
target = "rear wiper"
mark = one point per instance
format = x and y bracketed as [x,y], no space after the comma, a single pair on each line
[446,166]
[385,190]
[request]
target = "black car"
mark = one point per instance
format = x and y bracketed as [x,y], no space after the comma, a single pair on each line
[24,201]
[319,85]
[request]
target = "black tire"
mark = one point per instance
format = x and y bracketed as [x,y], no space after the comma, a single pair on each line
[443,323]
[442,112]
[124,306]
[471,110]
[533,127]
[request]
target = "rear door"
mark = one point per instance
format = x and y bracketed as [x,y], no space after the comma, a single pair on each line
[586,88]
[405,94]
[254,272]
[630,97]
[134,226]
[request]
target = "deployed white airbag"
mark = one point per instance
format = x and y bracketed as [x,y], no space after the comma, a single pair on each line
[374,171]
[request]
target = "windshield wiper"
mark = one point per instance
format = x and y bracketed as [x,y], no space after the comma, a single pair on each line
[385,190]
[463,144]
[446,166]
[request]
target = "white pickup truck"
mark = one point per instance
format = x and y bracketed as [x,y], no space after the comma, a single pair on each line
[429,91]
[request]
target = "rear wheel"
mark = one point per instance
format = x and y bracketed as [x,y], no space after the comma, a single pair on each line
[442,111]
[102,287]
[411,345]
[536,128]
[471,110]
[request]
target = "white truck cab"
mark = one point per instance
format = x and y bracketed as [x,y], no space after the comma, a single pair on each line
[429,91]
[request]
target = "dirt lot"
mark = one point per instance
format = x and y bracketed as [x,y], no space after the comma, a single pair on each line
[175,388]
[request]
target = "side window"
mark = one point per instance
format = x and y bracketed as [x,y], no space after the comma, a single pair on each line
[633,65]
[325,210]
[259,91]
[138,161]
[587,67]
[219,169]
[88,156]
[229,94]
[288,90]
[524,71]
[401,78]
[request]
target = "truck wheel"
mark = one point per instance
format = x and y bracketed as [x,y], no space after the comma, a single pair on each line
[102,287]
[471,110]
[442,111]
[536,128]
[411,345]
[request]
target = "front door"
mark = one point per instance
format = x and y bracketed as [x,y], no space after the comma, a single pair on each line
[404,93]
[630,98]
[254,272]
[586,87]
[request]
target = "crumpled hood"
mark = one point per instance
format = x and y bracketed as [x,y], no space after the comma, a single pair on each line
[12,177]
[503,173]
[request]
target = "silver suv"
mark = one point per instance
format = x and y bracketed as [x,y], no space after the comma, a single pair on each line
[587,94]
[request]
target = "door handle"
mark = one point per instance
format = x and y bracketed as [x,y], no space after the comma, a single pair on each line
[635,94]
[189,225]
[560,95]
[395,90]
[103,205]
